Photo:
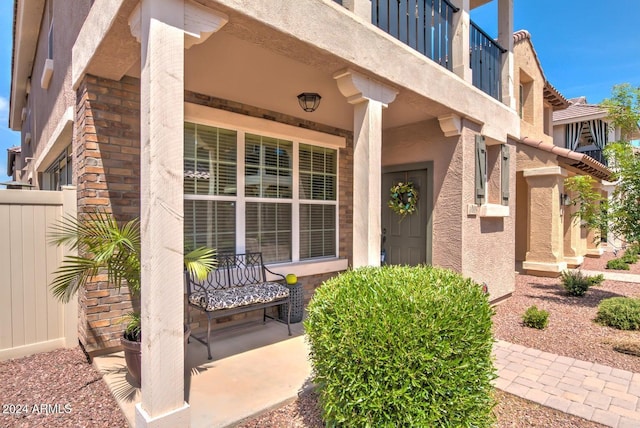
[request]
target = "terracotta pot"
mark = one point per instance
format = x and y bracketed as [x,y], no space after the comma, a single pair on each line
[132,358]
[132,355]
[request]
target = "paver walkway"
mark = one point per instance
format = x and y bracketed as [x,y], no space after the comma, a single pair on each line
[591,391]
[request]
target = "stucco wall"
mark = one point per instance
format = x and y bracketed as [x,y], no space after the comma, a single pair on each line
[532,123]
[488,242]
[529,157]
[480,248]
[48,106]
[522,216]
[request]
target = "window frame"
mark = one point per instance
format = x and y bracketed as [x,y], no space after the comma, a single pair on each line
[52,175]
[488,204]
[243,125]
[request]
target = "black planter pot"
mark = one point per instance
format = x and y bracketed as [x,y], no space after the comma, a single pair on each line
[132,355]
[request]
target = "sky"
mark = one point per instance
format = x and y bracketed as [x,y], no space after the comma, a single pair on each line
[585,47]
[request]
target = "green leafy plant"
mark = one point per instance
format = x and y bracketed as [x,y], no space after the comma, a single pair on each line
[629,258]
[617,264]
[622,313]
[535,318]
[623,111]
[576,283]
[591,205]
[595,280]
[402,346]
[633,249]
[104,245]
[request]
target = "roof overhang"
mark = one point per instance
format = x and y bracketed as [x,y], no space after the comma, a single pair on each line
[575,119]
[27,17]
[554,97]
[576,160]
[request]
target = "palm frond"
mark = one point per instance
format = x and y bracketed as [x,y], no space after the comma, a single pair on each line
[200,262]
[72,275]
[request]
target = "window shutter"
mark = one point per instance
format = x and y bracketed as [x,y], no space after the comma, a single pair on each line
[504,174]
[481,170]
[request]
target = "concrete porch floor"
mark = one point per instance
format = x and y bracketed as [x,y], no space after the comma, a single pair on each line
[255,368]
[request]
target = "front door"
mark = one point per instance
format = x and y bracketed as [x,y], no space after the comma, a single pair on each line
[405,240]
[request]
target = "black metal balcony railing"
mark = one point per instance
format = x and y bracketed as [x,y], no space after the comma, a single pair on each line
[425,25]
[486,62]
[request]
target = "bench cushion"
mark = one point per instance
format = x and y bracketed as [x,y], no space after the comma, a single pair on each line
[233,297]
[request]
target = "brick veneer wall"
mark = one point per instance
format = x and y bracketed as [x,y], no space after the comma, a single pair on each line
[107,165]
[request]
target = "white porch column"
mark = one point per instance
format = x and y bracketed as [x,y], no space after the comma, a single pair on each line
[460,49]
[163,27]
[505,39]
[362,8]
[369,97]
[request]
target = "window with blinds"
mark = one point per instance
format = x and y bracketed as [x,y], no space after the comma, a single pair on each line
[318,177]
[209,171]
[288,216]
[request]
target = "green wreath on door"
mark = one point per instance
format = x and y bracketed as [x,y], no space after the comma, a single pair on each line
[404,199]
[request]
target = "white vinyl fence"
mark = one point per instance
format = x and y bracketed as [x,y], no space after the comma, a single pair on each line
[31,319]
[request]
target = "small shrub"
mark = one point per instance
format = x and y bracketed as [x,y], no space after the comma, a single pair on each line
[629,258]
[402,346]
[633,249]
[622,313]
[595,280]
[617,264]
[575,282]
[535,318]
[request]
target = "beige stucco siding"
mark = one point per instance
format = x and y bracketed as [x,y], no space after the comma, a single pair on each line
[49,106]
[529,74]
[488,242]
[478,247]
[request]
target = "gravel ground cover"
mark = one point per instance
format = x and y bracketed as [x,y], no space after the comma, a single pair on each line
[61,389]
[56,389]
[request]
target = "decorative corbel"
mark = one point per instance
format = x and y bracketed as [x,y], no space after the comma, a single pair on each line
[357,87]
[451,124]
[200,22]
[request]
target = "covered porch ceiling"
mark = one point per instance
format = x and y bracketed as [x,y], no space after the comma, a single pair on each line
[250,63]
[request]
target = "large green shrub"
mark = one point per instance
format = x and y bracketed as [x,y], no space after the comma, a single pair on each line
[402,346]
[535,318]
[619,312]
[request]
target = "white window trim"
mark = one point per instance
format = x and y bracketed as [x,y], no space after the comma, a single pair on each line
[242,124]
[255,125]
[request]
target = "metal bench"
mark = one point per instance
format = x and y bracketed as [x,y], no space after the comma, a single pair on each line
[239,284]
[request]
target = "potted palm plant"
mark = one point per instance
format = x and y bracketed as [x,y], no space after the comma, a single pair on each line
[104,245]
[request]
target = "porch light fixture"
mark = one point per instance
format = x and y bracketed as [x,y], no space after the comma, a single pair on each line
[565,199]
[309,101]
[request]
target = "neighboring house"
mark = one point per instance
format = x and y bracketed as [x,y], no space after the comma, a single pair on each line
[549,238]
[586,128]
[186,113]
[14,171]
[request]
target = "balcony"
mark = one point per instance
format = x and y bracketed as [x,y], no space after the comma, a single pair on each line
[428,27]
